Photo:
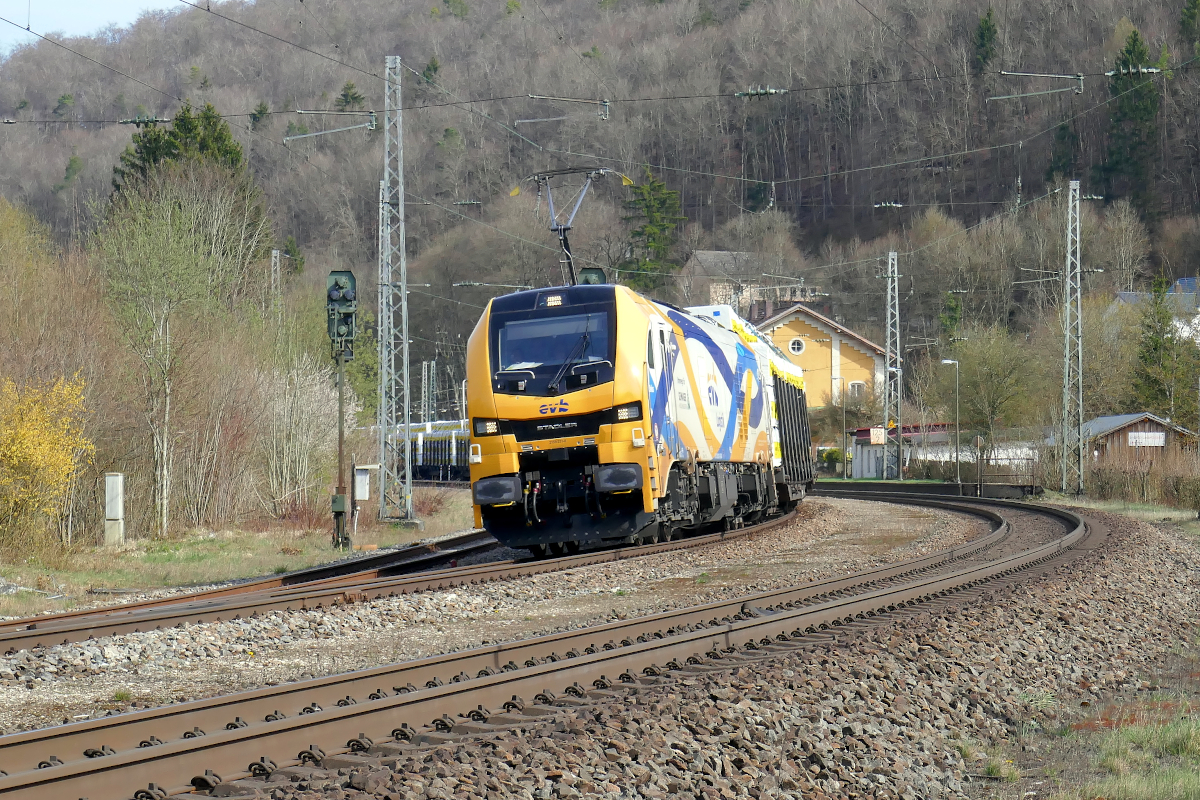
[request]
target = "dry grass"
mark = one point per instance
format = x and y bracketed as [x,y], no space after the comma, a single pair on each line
[1003,769]
[1147,512]
[428,502]
[201,557]
[1155,760]
[24,604]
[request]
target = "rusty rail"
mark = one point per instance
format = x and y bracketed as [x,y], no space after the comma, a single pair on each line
[487,678]
[332,591]
[129,730]
[388,562]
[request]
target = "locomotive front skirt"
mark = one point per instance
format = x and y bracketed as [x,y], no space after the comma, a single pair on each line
[599,416]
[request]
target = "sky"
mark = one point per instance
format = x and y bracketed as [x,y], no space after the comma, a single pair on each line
[70,17]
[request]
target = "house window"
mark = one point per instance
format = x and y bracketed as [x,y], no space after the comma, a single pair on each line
[796,346]
[857,390]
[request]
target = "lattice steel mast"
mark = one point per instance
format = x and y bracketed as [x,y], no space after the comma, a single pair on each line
[894,377]
[395,407]
[1072,418]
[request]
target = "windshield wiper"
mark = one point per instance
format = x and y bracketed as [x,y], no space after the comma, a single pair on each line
[576,352]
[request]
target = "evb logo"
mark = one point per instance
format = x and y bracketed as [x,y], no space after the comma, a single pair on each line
[560,407]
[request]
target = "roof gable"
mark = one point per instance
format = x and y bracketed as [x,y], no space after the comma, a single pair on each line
[1102,426]
[804,311]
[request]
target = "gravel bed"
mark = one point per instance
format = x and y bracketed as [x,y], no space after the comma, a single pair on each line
[111,674]
[914,709]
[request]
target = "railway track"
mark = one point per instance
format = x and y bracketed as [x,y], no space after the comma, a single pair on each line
[389,709]
[382,564]
[319,592]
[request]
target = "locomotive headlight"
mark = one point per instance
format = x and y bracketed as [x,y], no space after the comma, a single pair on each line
[629,411]
[487,427]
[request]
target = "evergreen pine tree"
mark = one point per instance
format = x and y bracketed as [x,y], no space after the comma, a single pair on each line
[429,74]
[1133,127]
[260,112]
[951,315]
[1189,21]
[350,98]
[985,41]
[291,249]
[657,208]
[191,136]
[1167,361]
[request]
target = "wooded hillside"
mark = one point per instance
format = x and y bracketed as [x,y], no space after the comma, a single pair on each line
[907,121]
[884,140]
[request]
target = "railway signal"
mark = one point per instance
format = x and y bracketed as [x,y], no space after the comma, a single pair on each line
[341,308]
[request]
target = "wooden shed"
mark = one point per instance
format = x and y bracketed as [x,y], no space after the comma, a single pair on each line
[1134,437]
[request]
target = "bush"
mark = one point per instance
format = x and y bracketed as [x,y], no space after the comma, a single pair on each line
[1169,482]
[42,448]
[427,502]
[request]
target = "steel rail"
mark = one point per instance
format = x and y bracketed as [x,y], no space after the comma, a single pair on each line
[727,632]
[111,776]
[382,563]
[127,731]
[319,595]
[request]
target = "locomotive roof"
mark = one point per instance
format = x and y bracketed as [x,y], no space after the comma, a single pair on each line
[571,296]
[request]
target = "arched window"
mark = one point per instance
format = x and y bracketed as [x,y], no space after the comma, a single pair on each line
[796,346]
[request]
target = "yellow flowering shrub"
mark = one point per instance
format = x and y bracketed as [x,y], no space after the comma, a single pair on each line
[42,448]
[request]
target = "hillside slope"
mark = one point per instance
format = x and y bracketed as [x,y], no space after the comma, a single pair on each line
[906,121]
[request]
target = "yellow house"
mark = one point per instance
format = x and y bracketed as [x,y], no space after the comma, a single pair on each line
[828,353]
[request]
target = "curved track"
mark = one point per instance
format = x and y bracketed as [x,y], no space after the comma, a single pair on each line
[381,564]
[404,705]
[322,590]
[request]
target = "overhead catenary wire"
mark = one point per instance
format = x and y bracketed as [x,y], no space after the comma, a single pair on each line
[416,197]
[903,39]
[324,30]
[208,10]
[729,177]
[904,162]
[238,114]
[477,221]
[447,299]
[94,61]
[294,153]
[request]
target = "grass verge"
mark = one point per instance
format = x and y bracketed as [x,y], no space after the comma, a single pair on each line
[63,579]
[1155,760]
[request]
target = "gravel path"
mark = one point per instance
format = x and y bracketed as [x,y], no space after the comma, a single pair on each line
[111,674]
[922,708]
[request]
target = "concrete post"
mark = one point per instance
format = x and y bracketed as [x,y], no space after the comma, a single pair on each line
[114,509]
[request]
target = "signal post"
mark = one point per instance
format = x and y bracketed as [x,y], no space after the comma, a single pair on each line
[341,308]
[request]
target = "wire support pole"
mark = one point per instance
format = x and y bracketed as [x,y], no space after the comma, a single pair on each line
[276,287]
[894,377]
[395,399]
[1073,443]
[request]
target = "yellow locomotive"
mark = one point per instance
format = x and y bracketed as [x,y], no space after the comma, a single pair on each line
[599,416]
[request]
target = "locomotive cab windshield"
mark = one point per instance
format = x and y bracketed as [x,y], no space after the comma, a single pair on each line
[546,343]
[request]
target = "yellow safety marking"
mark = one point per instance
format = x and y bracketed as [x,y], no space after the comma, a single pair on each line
[787,377]
[740,330]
